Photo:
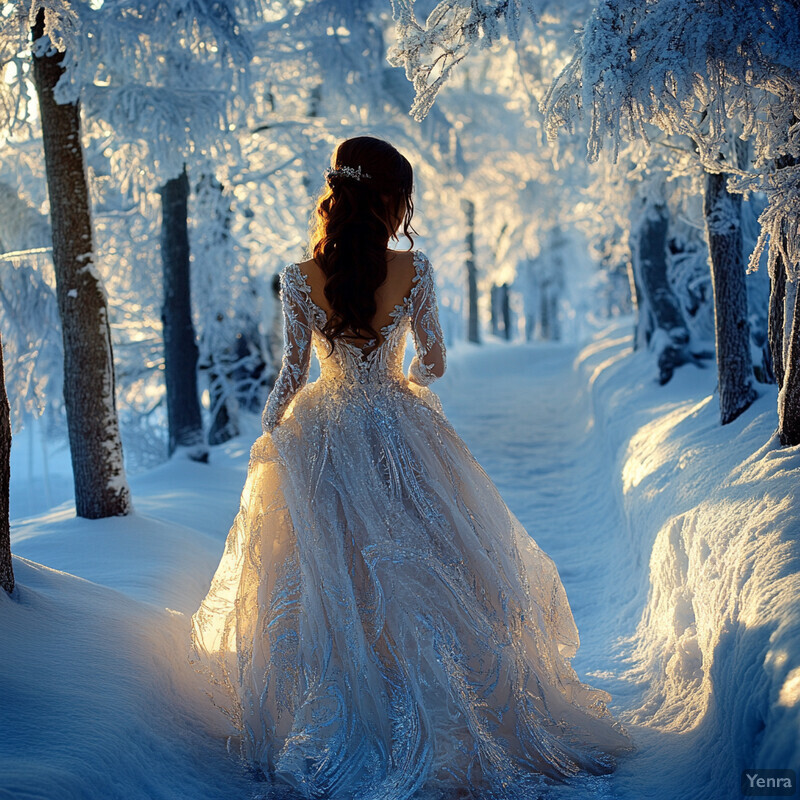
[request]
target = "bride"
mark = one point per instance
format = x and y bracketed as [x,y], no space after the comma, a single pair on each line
[380,624]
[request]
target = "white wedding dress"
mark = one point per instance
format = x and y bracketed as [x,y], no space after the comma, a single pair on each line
[380,623]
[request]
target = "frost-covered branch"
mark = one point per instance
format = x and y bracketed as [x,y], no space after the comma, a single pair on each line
[430,52]
[686,67]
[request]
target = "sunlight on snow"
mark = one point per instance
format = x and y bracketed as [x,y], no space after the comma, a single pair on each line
[638,467]
[790,691]
[604,365]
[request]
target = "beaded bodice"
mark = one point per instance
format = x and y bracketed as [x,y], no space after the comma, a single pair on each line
[368,367]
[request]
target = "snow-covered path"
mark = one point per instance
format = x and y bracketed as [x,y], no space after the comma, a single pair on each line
[526,414]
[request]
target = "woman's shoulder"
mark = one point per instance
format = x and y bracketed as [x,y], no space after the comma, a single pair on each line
[306,266]
[413,260]
[294,276]
[293,267]
[423,271]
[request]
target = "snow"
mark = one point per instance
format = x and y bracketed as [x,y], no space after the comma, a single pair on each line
[709,513]
[676,540]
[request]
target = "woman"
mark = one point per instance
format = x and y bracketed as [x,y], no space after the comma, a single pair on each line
[380,624]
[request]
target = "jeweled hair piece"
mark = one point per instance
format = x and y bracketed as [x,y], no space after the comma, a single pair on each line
[345,172]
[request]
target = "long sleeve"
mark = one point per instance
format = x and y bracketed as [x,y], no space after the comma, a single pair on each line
[430,360]
[296,350]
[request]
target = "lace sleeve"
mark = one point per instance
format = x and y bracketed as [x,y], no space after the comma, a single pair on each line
[430,359]
[296,349]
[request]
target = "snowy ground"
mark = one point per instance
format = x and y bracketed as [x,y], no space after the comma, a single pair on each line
[676,540]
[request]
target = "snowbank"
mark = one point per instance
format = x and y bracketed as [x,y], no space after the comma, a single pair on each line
[98,700]
[712,517]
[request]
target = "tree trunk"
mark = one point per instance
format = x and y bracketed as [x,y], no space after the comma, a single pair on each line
[789,395]
[494,302]
[506,311]
[788,318]
[101,489]
[180,346]
[732,330]
[650,269]
[212,251]
[555,325]
[544,311]
[642,327]
[6,567]
[473,329]
[780,301]
[777,296]
[530,326]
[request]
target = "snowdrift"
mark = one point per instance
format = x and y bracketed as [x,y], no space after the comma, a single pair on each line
[713,517]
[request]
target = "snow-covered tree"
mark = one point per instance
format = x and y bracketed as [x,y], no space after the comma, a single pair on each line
[661,321]
[684,67]
[159,83]
[180,346]
[101,489]
[550,284]
[171,99]
[473,330]
[723,215]
[709,70]
[493,96]
[226,304]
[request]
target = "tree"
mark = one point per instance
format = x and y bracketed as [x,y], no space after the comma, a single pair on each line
[780,220]
[107,60]
[473,330]
[430,52]
[229,352]
[665,329]
[180,346]
[101,489]
[6,566]
[777,299]
[630,70]
[187,69]
[723,214]
[501,311]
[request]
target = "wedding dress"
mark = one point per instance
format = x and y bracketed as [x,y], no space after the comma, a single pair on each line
[380,623]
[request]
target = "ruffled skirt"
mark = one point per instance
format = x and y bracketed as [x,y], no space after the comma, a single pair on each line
[381,624]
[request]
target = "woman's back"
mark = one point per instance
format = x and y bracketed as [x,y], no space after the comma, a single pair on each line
[406,303]
[393,292]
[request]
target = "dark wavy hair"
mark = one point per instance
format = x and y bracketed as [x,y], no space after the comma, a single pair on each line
[354,220]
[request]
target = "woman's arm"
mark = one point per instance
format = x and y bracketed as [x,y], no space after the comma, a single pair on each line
[296,351]
[430,360]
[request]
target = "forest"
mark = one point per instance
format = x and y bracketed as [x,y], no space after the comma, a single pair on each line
[584,170]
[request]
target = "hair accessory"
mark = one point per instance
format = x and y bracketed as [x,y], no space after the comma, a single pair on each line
[346,172]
